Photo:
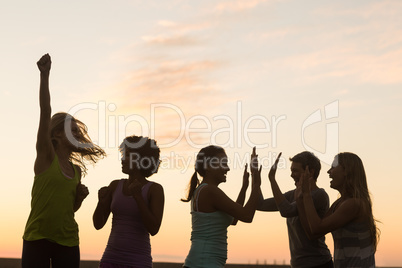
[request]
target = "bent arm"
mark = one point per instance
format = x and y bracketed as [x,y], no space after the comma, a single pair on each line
[240,200]
[102,210]
[321,205]
[81,192]
[223,203]
[286,208]
[152,215]
[304,221]
[242,194]
[268,204]
[345,213]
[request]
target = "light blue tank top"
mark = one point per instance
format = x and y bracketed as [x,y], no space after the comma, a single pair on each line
[208,237]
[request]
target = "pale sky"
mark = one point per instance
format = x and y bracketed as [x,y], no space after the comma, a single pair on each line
[285,76]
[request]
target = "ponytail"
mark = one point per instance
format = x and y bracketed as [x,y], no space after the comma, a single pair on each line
[194,182]
[200,165]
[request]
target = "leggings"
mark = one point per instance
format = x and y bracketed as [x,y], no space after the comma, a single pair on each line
[39,254]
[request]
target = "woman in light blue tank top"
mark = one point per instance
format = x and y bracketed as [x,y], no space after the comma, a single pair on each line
[212,211]
[350,218]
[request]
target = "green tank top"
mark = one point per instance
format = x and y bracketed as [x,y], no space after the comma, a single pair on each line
[52,213]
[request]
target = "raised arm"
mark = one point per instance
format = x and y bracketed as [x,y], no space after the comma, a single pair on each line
[242,194]
[44,148]
[286,208]
[152,214]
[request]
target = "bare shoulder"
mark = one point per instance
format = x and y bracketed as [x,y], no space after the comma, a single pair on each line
[350,205]
[212,193]
[113,184]
[156,188]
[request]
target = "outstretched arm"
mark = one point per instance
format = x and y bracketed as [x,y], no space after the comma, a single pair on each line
[242,194]
[152,214]
[44,147]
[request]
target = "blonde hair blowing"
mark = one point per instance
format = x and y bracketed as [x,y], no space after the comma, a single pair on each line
[85,150]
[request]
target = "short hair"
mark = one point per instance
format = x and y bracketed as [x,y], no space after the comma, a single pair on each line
[147,151]
[308,159]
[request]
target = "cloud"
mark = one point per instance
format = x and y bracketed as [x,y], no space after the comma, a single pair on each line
[170,40]
[170,33]
[237,6]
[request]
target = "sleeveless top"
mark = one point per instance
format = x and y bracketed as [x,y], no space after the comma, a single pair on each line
[129,242]
[52,212]
[353,247]
[208,237]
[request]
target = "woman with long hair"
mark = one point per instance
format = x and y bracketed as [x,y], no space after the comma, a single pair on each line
[137,206]
[350,218]
[212,211]
[63,148]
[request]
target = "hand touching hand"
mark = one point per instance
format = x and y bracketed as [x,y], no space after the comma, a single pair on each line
[255,172]
[246,176]
[44,64]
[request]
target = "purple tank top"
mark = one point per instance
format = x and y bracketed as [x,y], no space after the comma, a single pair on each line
[129,242]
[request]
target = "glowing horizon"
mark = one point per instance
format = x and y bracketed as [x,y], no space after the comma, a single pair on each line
[286,76]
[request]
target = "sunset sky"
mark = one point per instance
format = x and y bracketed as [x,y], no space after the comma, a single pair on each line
[285,76]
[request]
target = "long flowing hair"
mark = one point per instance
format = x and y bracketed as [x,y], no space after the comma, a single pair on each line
[85,151]
[201,163]
[356,187]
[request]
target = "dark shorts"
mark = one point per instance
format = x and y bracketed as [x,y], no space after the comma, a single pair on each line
[39,254]
[112,265]
[329,264]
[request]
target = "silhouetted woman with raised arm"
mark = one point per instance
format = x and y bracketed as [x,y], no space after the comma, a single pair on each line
[212,211]
[350,218]
[137,206]
[62,148]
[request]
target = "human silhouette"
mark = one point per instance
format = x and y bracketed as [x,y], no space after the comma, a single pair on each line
[350,218]
[63,148]
[306,251]
[212,211]
[137,206]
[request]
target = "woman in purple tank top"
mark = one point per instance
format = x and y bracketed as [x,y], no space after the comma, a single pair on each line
[137,206]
